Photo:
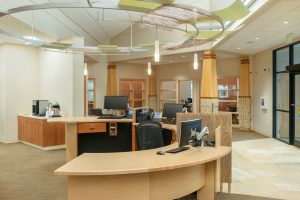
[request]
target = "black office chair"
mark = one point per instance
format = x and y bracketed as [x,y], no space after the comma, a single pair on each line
[149,135]
[95,111]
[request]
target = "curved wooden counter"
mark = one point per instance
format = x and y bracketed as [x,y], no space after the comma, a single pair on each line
[139,161]
[144,175]
[72,120]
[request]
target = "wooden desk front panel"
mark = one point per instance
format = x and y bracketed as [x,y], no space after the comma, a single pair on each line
[39,132]
[162,185]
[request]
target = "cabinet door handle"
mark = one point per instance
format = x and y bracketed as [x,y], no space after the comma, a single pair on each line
[92,127]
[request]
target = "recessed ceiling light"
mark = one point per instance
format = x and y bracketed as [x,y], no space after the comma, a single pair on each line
[257,38]
[238,48]
[285,22]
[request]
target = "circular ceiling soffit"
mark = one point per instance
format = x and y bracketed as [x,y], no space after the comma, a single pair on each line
[166,17]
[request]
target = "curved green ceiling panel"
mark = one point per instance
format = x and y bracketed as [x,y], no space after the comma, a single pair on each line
[235,11]
[136,5]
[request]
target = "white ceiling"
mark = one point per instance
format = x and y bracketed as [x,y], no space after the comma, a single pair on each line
[180,58]
[64,23]
[266,29]
[267,25]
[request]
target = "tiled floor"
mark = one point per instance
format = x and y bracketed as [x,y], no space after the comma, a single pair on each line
[266,167]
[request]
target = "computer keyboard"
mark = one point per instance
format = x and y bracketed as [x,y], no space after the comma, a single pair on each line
[179,149]
[110,117]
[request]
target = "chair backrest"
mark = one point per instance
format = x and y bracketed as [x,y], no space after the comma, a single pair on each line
[95,111]
[149,135]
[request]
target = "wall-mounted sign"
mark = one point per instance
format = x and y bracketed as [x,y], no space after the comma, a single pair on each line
[263,103]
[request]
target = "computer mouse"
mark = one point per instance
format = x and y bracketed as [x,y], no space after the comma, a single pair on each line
[160,153]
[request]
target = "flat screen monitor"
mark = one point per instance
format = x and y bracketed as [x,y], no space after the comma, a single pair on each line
[186,129]
[170,110]
[116,102]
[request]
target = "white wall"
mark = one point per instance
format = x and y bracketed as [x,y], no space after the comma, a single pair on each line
[99,72]
[20,78]
[262,87]
[56,79]
[27,73]
[2,96]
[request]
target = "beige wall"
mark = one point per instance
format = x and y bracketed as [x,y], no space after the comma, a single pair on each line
[56,79]
[99,71]
[184,71]
[28,73]
[133,71]
[262,87]
[19,86]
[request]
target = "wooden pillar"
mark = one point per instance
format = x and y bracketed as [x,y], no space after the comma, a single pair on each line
[244,95]
[152,97]
[209,101]
[111,86]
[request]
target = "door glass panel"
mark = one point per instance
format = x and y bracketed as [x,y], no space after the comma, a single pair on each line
[283,91]
[297,108]
[186,91]
[282,59]
[297,54]
[282,130]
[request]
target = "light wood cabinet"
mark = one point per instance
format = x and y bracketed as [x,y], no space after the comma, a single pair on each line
[38,131]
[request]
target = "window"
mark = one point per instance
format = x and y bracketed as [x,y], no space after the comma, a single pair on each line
[135,90]
[168,92]
[91,93]
[228,89]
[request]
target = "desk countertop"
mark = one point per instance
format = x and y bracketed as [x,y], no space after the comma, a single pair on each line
[33,116]
[73,120]
[139,161]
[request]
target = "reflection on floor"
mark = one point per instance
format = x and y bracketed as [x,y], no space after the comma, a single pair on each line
[266,167]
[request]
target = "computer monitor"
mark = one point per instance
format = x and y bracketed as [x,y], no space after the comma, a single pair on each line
[186,127]
[116,102]
[170,110]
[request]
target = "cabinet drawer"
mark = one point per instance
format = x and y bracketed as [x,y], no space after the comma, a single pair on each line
[91,127]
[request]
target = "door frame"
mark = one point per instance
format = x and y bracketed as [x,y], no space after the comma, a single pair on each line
[292,92]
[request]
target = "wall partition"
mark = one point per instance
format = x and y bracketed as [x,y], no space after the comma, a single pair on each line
[286,89]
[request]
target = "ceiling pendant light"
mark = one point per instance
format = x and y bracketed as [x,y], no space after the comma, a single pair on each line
[196,64]
[156,48]
[156,51]
[85,71]
[149,69]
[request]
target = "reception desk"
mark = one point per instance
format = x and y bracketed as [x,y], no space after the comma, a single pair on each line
[144,175]
[37,132]
[90,134]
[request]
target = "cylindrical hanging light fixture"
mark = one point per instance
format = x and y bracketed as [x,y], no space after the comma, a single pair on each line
[156,51]
[196,64]
[149,68]
[85,71]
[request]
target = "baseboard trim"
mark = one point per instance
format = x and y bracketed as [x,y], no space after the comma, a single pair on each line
[45,148]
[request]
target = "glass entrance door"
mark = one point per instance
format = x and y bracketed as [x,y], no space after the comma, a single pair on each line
[297,110]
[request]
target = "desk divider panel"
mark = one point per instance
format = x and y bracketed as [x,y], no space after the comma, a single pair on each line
[213,121]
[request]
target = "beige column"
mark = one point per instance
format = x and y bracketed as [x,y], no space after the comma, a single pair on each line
[111,86]
[209,101]
[244,95]
[152,97]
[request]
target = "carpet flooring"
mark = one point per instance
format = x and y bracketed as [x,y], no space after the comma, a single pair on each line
[26,173]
